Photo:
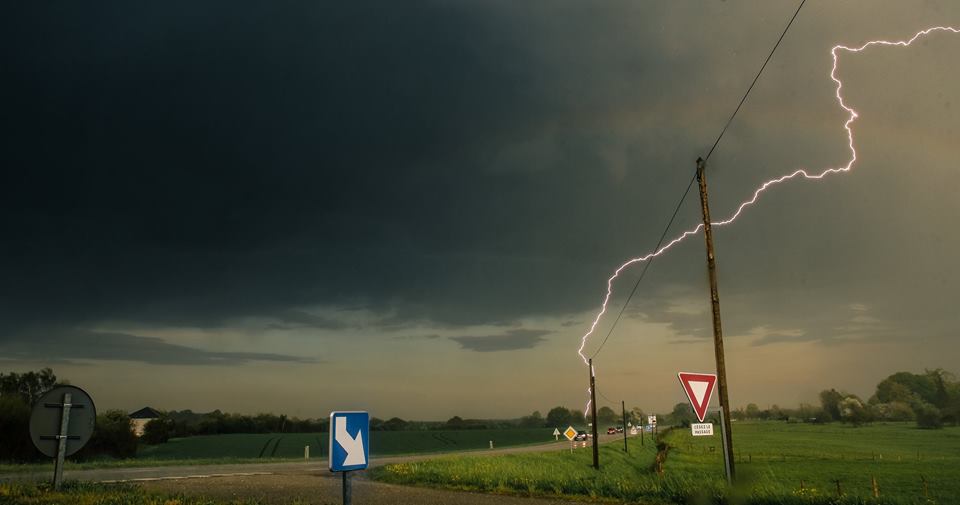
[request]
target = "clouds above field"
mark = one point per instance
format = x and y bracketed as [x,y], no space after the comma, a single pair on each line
[302,185]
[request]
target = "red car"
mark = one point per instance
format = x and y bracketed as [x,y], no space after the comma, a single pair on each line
[611,431]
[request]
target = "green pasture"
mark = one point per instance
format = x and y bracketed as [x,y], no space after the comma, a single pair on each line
[81,493]
[776,463]
[382,443]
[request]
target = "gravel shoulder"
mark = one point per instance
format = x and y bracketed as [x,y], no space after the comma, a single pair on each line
[315,489]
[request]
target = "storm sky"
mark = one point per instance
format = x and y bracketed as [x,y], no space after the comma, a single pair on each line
[413,207]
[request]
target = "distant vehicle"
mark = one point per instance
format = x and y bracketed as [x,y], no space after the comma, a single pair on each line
[619,429]
[611,431]
[580,436]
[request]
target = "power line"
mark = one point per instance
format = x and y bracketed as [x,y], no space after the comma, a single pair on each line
[666,230]
[611,402]
[755,79]
[646,265]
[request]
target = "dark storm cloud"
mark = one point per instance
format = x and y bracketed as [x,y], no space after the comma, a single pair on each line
[290,319]
[510,341]
[185,164]
[62,346]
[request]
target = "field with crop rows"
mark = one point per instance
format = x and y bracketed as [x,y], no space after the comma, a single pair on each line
[776,463]
[290,445]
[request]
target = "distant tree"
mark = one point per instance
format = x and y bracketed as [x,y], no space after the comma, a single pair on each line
[923,386]
[637,416]
[738,414]
[397,424]
[682,414]
[558,417]
[29,386]
[15,443]
[806,411]
[577,418]
[752,411]
[928,416]
[606,416]
[113,436]
[18,393]
[158,431]
[830,401]
[853,411]
[893,411]
[534,420]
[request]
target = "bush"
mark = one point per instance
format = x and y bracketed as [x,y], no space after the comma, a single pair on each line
[113,436]
[15,443]
[928,417]
[157,431]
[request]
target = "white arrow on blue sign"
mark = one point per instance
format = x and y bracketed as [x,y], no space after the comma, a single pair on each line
[349,441]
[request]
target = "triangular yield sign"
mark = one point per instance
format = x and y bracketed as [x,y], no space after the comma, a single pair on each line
[699,388]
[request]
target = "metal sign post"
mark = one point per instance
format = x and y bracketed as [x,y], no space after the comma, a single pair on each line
[349,446]
[347,490]
[723,437]
[62,442]
[61,423]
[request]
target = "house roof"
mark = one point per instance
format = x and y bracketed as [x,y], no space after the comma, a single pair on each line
[145,413]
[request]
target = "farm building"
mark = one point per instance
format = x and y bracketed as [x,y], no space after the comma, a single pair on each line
[141,417]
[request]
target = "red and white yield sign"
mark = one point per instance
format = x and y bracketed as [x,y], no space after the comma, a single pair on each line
[699,388]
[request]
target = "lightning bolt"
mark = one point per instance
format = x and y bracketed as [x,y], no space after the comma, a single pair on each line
[801,173]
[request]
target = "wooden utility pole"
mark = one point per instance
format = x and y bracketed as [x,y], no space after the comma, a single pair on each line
[593,414]
[717,331]
[623,408]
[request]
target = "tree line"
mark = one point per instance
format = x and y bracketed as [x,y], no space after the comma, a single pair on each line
[112,436]
[931,399]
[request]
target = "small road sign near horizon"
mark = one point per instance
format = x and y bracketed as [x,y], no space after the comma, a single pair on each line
[570,433]
[349,441]
[652,420]
[699,389]
[556,433]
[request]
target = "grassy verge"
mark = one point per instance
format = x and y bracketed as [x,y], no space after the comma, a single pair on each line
[559,473]
[777,464]
[76,493]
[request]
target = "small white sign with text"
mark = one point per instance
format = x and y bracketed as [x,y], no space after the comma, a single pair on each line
[701,429]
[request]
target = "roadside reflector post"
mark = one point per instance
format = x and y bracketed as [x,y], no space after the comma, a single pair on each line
[717,328]
[306,452]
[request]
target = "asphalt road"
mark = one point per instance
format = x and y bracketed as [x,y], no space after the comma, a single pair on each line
[314,466]
[306,482]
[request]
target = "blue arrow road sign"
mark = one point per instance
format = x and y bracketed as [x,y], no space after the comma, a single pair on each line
[349,441]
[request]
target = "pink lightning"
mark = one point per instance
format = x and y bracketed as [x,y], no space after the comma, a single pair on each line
[852,116]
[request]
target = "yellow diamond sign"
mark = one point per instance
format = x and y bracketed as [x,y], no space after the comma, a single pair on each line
[570,433]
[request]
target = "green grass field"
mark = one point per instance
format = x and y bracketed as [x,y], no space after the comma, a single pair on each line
[80,493]
[772,460]
[382,443]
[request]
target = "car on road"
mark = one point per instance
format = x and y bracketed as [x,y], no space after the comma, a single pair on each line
[580,436]
[611,431]
[619,429]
